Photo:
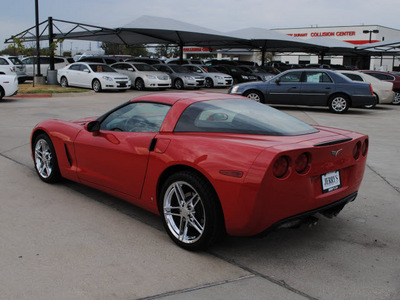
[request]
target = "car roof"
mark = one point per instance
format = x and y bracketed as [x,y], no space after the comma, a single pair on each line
[189,97]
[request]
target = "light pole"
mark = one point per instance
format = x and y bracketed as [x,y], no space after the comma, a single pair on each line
[370,33]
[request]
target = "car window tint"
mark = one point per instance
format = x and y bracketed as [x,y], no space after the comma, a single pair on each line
[353,77]
[15,60]
[316,77]
[75,67]
[144,67]
[136,117]
[110,61]
[58,60]
[3,61]
[239,116]
[291,77]
[99,68]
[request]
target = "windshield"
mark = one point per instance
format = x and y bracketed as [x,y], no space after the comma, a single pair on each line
[240,116]
[144,67]
[101,68]
[180,69]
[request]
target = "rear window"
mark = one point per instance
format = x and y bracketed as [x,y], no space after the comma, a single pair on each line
[239,116]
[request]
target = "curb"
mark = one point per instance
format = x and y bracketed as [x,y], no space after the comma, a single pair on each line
[49,95]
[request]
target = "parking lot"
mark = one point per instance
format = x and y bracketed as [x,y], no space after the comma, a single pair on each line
[68,241]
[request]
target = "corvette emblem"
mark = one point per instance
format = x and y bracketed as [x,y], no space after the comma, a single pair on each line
[336,153]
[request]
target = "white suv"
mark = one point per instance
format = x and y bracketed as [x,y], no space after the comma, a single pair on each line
[11,65]
[30,63]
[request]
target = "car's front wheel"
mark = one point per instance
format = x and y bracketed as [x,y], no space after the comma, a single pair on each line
[139,84]
[209,83]
[190,211]
[255,96]
[64,81]
[96,85]
[339,104]
[45,158]
[178,84]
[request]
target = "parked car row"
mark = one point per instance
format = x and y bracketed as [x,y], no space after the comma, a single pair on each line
[11,65]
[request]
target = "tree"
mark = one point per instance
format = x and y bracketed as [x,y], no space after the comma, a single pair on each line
[167,51]
[118,49]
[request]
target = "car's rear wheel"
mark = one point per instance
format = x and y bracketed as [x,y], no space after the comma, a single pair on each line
[1,93]
[46,164]
[396,99]
[373,105]
[139,84]
[209,83]
[190,211]
[64,81]
[96,85]
[255,96]
[178,84]
[339,104]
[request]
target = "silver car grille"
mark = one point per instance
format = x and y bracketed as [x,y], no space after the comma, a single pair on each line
[162,77]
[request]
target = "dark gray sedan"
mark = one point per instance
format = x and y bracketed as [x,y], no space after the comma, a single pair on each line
[314,87]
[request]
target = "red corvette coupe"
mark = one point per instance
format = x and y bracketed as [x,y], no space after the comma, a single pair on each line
[208,163]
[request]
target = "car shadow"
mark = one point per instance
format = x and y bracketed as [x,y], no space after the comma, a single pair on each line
[351,111]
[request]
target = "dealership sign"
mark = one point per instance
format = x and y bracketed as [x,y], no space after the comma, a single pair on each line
[324,34]
[195,49]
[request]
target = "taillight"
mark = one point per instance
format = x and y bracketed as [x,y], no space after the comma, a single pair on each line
[364,148]
[357,150]
[372,91]
[281,166]
[302,163]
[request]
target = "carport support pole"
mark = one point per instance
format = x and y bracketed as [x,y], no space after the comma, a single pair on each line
[262,56]
[181,54]
[37,38]
[50,23]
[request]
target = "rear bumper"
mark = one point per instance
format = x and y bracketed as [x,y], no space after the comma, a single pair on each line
[361,101]
[331,209]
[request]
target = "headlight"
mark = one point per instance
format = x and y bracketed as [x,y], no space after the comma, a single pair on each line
[245,77]
[234,89]
[151,76]
[190,78]
[107,78]
[219,77]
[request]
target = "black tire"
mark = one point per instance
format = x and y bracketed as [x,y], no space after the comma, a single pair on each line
[396,100]
[178,84]
[2,93]
[339,104]
[374,104]
[192,227]
[64,81]
[209,83]
[254,95]
[139,84]
[96,85]
[45,159]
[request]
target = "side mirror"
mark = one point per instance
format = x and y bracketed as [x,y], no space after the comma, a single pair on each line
[86,71]
[131,69]
[278,81]
[93,126]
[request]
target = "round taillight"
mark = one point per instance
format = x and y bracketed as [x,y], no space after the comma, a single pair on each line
[302,163]
[281,166]
[364,148]
[357,150]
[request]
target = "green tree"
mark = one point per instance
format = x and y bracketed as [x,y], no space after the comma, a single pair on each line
[118,49]
[167,51]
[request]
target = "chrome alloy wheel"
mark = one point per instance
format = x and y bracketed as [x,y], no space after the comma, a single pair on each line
[339,104]
[254,96]
[43,159]
[184,212]
[396,99]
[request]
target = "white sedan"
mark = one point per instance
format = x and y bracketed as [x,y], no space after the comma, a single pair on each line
[214,78]
[383,90]
[8,85]
[93,76]
[143,75]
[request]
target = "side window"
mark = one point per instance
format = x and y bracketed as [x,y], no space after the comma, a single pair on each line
[58,60]
[75,67]
[136,117]
[317,77]
[118,66]
[45,60]
[3,61]
[110,61]
[291,77]
[353,77]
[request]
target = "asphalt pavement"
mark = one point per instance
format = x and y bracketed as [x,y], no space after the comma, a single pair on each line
[68,241]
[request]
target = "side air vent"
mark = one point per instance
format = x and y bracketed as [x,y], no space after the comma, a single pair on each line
[68,155]
[329,143]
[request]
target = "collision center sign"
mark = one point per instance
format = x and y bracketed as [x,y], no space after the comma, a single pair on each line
[324,34]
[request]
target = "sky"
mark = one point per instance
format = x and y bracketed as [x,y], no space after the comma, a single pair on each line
[220,15]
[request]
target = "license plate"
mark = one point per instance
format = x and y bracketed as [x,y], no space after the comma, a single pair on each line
[330,181]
